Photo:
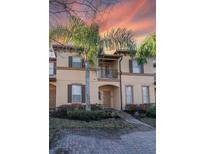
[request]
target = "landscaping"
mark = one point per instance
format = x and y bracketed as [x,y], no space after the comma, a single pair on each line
[145,113]
[150,121]
[77,112]
[75,116]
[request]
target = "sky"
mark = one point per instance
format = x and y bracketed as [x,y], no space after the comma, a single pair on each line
[136,15]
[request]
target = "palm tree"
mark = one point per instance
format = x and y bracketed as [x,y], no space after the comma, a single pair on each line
[88,40]
[120,38]
[84,37]
[147,49]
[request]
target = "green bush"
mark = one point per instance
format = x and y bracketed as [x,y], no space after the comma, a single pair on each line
[131,108]
[90,115]
[96,107]
[151,112]
[73,106]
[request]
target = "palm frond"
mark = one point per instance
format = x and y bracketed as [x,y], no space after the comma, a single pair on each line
[147,49]
[61,33]
[119,38]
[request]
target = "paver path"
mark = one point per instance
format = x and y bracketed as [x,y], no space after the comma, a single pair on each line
[130,119]
[108,141]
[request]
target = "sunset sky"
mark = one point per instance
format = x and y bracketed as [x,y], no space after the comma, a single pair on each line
[136,15]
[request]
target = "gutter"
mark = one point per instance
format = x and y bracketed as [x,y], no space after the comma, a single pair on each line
[120,81]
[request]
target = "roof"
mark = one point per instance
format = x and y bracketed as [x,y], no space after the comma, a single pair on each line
[109,56]
[69,48]
[57,46]
[122,52]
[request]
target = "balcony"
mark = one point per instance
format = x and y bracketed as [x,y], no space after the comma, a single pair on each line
[107,73]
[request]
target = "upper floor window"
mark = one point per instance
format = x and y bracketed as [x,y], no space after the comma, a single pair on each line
[76,93]
[76,62]
[51,68]
[145,94]
[136,68]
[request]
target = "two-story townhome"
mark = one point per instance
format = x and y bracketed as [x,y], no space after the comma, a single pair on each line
[52,80]
[117,80]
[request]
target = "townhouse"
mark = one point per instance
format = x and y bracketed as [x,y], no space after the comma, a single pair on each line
[117,80]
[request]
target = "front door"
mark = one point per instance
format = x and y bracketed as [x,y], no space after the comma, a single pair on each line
[106,99]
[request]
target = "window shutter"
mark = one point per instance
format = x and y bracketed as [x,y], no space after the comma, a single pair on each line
[69,93]
[83,93]
[142,68]
[83,63]
[54,68]
[70,60]
[130,66]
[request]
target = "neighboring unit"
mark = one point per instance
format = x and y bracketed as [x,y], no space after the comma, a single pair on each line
[52,80]
[116,81]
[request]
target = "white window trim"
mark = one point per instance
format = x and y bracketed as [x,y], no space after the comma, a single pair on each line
[138,67]
[143,94]
[132,97]
[77,62]
[52,73]
[77,94]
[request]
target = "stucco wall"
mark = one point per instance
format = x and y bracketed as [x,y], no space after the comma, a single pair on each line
[65,77]
[137,82]
[148,67]
[62,58]
[69,76]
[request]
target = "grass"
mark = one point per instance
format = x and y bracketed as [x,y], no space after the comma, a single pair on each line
[56,124]
[150,121]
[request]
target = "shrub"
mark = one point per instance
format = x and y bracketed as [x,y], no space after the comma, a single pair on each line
[73,106]
[61,111]
[90,115]
[151,112]
[96,107]
[58,114]
[131,108]
[141,110]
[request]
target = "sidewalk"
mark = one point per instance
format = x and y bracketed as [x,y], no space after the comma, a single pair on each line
[130,119]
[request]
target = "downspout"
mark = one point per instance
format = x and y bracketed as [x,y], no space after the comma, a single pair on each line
[120,81]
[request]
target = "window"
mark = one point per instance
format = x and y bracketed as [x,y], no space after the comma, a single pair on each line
[145,94]
[137,68]
[76,62]
[51,68]
[76,93]
[129,94]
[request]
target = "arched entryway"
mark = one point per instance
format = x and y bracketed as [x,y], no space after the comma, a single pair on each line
[52,96]
[109,96]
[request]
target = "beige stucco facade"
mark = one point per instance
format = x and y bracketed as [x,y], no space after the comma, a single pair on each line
[100,86]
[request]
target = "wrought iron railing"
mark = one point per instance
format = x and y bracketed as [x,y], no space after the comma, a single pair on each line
[107,73]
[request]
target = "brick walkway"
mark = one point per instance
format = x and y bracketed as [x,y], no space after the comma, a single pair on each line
[98,141]
[130,119]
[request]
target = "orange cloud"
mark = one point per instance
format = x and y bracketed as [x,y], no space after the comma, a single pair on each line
[123,15]
[136,15]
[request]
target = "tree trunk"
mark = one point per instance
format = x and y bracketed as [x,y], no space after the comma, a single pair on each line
[87,87]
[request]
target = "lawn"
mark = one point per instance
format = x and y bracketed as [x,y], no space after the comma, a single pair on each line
[57,124]
[150,121]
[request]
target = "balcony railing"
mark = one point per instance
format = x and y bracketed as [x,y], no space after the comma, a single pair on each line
[107,73]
